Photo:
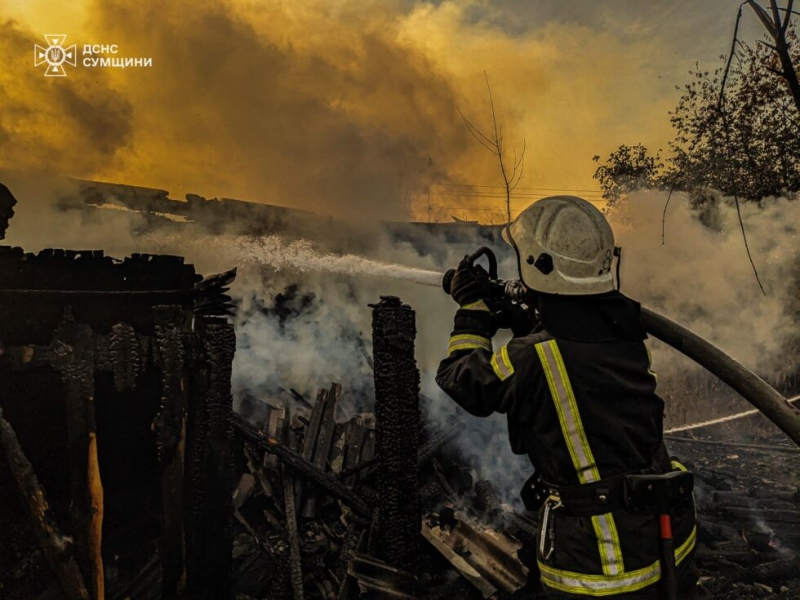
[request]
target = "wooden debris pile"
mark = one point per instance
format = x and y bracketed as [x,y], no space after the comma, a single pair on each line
[309,514]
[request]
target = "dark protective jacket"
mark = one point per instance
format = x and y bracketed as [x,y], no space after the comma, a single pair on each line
[580,401]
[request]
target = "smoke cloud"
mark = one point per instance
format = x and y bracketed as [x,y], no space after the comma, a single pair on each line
[49,127]
[702,278]
[349,108]
[303,319]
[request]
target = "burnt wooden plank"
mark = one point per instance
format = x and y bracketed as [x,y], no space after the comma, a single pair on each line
[322,447]
[209,529]
[336,457]
[310,438]
[292,533]
[326,481]
[312,431]
[356,431]
[170,427]
[51,540]
[74,346]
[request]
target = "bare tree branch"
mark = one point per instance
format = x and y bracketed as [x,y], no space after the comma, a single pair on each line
[763,17]
[476,133]
[767,44]
[494,144]
[787,17]
[721,109]
[730,56]
[777,27]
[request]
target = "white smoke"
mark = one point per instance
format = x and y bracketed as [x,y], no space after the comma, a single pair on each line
[701,278]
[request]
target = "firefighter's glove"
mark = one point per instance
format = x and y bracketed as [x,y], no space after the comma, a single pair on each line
[470,286]
[514,316]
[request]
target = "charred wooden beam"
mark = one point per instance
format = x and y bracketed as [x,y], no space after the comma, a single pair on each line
[398,430]
[486,558]
[300,398]
[786,568]
[292,533]
[314,424]
[310,438]
[54,545]
[74,347]
[123,352]
[355,432]
[322,447]
[211,297]
[209,522]
[244,489]
[376,579]
[269,444]
[439,440]
[336,458]
[170,428]
[125,356]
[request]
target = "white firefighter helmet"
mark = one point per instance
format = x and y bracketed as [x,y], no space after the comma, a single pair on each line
[564,246]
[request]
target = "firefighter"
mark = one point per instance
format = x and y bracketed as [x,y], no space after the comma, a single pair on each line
[580,401]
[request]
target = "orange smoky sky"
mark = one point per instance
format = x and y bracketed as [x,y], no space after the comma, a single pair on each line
[350,107]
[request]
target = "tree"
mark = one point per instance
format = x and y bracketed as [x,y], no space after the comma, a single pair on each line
[778,28]
[627,169]
[750,145]
[511,172]
[737,130]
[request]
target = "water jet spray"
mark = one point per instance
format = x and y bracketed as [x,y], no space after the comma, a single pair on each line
[301,256]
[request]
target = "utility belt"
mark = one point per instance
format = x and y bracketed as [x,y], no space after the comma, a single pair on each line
[642,492]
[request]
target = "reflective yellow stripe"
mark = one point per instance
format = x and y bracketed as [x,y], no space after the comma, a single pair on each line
[578,445]
[479,305]
[465,341]
[605,530]
[650,362]
[502,364]
[609,585]
[676,466]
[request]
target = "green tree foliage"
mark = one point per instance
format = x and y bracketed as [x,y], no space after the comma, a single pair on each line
[627,169]
[747,144]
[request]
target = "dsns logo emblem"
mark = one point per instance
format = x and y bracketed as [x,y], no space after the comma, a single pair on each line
[55,56]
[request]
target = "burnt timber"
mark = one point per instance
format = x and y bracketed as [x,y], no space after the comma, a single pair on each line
[110,370]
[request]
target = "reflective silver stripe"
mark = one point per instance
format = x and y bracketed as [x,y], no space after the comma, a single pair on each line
[568,415]
[605,528]
[608,544]
[607,585]
[581,584]
[501,364]
[466,341]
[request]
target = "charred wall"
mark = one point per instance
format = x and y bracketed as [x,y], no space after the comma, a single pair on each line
[109,370]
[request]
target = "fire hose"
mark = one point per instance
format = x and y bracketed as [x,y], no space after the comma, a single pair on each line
[750,386]
[741,379]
